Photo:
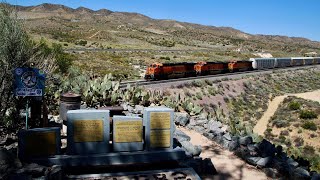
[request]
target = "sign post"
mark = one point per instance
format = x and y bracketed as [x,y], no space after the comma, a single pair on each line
[28,82]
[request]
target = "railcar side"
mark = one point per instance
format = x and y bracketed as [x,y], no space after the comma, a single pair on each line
[297,61]
[234,66]
[206,68]
[169,70]
[263,63]
[283,62]
[308,60]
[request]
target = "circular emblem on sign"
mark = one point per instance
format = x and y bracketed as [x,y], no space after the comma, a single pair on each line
[38,92]
[29,79]
[41,72]
[19,71]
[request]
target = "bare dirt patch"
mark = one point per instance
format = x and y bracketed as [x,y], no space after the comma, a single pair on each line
[226,163]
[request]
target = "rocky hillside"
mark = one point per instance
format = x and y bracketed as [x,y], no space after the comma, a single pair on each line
[132,30]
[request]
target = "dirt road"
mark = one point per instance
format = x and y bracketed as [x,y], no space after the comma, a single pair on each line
[261,126]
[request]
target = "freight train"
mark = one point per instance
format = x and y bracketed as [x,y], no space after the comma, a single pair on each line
[159,71]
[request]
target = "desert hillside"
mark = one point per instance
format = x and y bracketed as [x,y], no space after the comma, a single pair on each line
[106,29]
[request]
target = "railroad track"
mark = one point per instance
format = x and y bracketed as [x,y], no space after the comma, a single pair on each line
[140,50]
[218,76]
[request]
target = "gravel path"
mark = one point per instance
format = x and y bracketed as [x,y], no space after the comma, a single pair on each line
[261,126]
[228,165]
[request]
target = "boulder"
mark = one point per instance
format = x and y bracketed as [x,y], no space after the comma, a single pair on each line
[225,128]
[219,139]
[199,129]
[253,160]
[181,118]
[8,161]
[272,173]
[253,149]
[212,125]
[263,162]
[217,132]
[125,106]
[138,109]
[242,152]
[34,169]
[227,136]
[181,136]
[54,173]
[190,148]
[245,140]
[130,109]
[266,148]
[233,145]
[300,173]
[292,162]
[225,143]
[209,135]
[202,122]
[315,176]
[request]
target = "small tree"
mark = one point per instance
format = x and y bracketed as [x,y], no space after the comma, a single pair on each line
[18,50]
[14,52]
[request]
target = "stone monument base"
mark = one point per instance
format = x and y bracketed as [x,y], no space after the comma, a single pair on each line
[116,158]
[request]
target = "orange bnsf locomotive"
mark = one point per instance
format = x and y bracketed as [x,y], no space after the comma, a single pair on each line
[170,70]
[158,71]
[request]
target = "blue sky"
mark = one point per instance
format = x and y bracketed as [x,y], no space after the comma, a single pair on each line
[298,18]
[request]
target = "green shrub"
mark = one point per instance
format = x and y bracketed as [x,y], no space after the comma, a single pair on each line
[298,142]
[294,105]
[81,42]
[284,133]
[197,83]
[308,150]
[282,139]
[212,91]
[305,114]
[63,60]
[199,95]
[310,125]
[280,123]
[208,82]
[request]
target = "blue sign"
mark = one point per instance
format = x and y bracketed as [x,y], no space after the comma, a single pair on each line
[29,82]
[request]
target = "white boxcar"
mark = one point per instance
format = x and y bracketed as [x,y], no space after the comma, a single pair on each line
[308,60]
[297,61]
[283,62]
[263,63]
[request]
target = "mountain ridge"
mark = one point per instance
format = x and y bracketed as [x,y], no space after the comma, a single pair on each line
[183,32]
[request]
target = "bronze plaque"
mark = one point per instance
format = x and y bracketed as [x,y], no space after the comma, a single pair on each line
[160,138]
[88,130]
[160,120]
[128,131]
[41,144]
